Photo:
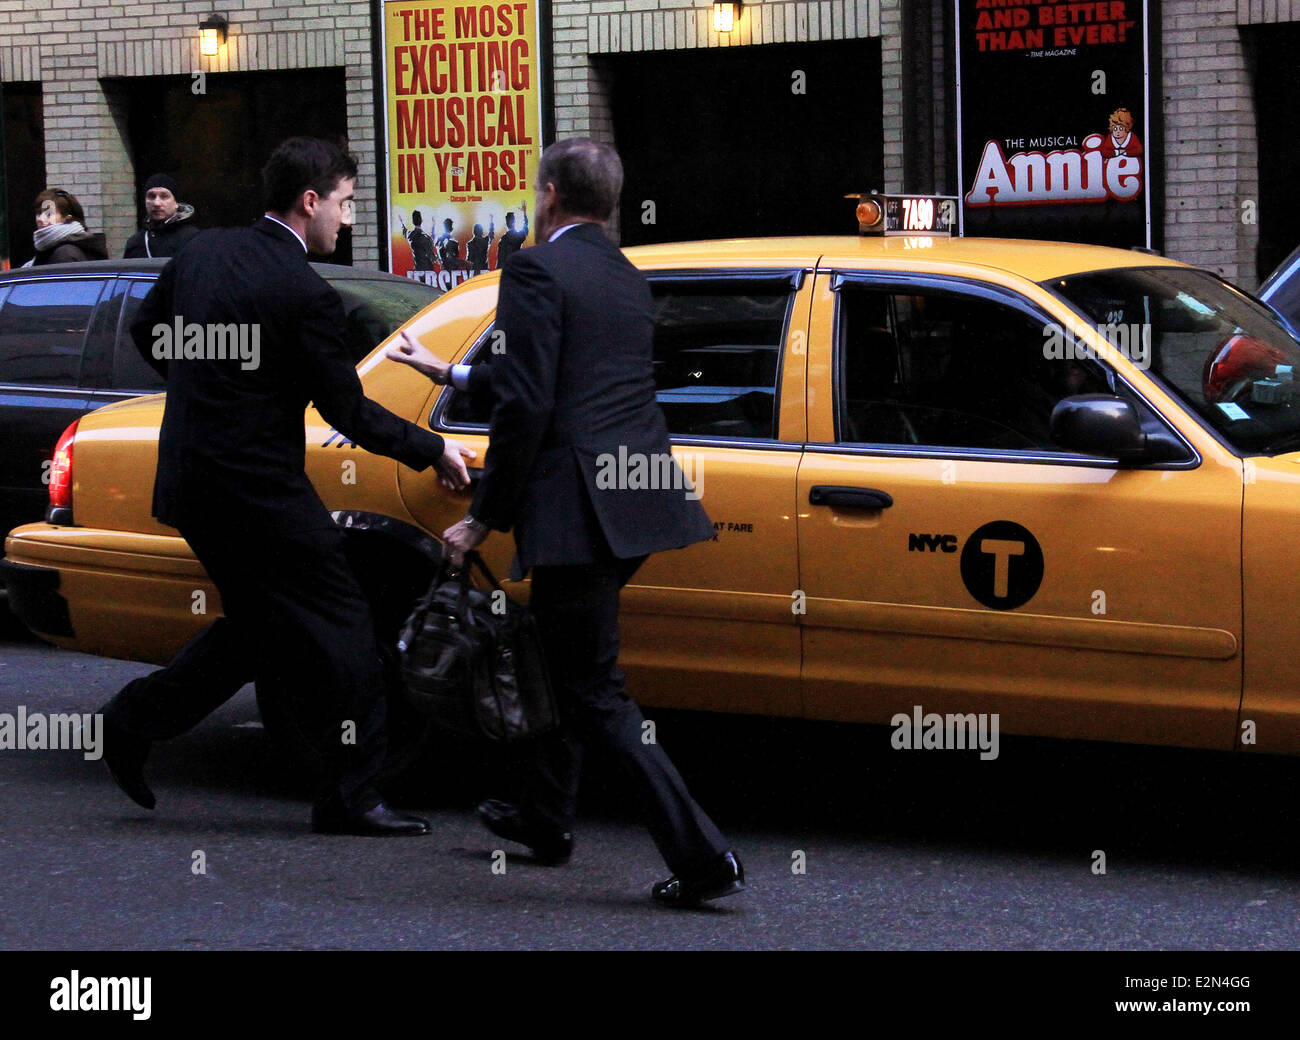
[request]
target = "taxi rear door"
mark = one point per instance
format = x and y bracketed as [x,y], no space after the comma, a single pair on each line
[952,558]
[709,626]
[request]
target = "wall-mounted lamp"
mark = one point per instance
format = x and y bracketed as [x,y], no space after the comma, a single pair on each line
[726,17]
[212,34]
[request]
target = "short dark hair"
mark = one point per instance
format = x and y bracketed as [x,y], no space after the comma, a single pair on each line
[65,202]
[303,163]
[587,175]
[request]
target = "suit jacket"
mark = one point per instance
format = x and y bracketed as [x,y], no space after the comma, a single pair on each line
[232,444]
[575,409]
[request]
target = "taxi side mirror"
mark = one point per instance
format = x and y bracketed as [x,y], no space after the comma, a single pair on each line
[1099,424]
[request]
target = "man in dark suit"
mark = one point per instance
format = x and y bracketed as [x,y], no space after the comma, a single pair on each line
[421,243]
[573,389]
[512,238]
[231,479]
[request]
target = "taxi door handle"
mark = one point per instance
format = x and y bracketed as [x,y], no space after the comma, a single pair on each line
[850,497]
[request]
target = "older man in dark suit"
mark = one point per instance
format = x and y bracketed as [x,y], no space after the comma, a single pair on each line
[231,479]
[575,385]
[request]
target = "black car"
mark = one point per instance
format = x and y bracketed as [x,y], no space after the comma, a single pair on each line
[65,350]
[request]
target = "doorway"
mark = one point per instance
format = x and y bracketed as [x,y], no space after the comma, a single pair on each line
[1277,98]
[24,167]
[745,141]
[215,142]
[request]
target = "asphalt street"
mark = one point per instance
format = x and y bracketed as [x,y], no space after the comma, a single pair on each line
[900,850]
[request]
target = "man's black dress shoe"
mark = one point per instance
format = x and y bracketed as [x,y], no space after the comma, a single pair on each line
[124,755]
[503,820]
[723,877]
[379,822]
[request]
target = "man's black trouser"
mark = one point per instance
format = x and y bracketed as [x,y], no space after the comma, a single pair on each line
[293,613]
[577,614]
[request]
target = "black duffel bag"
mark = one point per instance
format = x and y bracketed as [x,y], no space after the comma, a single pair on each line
[472,660]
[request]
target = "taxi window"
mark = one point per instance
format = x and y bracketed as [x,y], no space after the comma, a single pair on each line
[942,369]
[717,349]
[1225,356]
[716,357]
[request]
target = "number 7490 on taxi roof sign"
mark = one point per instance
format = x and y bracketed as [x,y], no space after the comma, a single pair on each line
[905,214]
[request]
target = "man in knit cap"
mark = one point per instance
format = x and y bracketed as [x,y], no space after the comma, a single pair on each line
[168,226]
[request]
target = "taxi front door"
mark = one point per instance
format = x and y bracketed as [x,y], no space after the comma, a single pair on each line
[951,560]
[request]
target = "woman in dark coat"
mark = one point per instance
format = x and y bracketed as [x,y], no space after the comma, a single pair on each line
[61,237]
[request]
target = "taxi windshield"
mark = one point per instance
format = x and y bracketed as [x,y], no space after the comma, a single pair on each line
[1224,355]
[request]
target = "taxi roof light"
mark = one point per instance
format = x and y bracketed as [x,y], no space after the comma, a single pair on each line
[914,215]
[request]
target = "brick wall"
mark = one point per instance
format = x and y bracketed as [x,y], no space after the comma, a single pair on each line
[1211,152]
[583,28]
[1211,155]
[69,45]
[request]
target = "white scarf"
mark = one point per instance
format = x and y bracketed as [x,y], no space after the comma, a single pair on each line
[48,237]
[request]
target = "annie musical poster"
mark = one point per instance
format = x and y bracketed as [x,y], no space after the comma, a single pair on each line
[1055,137]
[462,134]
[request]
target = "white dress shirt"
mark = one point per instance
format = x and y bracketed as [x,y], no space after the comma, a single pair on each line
[295,234]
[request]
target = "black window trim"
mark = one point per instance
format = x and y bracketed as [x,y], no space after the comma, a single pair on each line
[437,419]
[995,294]
[125,280]
[791,279]
[753,278]
[96,378]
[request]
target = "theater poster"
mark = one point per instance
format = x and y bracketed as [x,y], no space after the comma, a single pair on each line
[1054,120]
[462,134]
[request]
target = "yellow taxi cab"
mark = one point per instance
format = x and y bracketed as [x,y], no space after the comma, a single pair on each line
[1048,481]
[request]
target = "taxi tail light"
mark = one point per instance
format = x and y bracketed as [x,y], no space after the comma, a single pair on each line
[1239,358]
[61,470]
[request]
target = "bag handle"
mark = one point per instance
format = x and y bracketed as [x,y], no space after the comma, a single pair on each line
[472,557]
[472,560]
[443,574]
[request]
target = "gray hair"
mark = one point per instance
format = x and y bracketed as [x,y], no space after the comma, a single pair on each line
[587,175]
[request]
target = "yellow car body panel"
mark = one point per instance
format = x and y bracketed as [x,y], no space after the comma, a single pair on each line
[1167,594]
[1270,709]
[910,634]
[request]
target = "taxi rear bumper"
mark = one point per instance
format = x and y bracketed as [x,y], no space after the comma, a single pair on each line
[116,593]
[33,594]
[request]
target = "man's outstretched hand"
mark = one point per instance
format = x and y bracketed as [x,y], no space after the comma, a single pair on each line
[451,467]
[410,351]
